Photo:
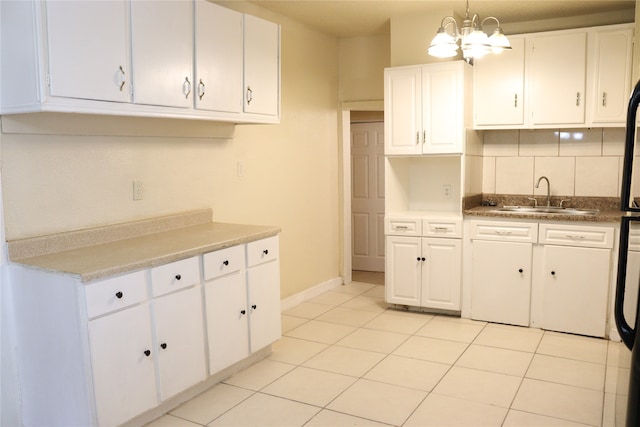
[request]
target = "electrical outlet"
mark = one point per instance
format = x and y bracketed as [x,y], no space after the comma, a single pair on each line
[138,190]
[446,191]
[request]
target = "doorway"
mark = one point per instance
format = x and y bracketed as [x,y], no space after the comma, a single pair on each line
[367,196]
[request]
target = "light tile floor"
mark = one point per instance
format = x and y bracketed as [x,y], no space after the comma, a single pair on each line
[346,360]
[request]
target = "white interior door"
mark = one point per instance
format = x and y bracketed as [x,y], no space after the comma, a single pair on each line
[367,196]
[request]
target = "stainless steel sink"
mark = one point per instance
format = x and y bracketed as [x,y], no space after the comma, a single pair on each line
[546,210]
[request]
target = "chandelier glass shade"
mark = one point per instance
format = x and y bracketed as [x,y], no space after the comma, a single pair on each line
[471,37]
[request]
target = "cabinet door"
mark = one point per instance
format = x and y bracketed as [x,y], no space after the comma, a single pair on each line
[575,297]
[442,108]
[441,273]
[162,52]
[218,58]
[264,304]
[179,340]
[501,282]
[227,326]
[261,66]
[558,73]
[612,74]
[123,375]
[88,45]
[403,270]
[498,87]
[403,111]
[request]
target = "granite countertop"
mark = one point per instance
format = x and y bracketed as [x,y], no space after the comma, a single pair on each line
[492,211]
[608,208]
[89,262]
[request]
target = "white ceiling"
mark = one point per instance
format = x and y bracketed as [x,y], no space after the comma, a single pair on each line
[350,18]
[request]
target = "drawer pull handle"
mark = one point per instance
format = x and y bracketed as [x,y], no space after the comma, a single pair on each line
[440,228]
[178,277]
[520,271]
[254,306]
[119,295]
[163,346]
[503,233]
[266,252]
[243,312]
[225,262]
[401,227]
[575,236]
[147,353]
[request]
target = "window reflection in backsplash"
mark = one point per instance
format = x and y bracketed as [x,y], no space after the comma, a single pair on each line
[578,162]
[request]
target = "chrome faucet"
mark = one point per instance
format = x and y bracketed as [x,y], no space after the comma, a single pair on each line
[548,189]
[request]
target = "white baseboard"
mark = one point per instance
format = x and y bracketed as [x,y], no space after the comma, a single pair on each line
[307,294]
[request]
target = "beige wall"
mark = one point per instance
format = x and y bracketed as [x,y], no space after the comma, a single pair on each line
[362,61]
[411,36]
[64,174]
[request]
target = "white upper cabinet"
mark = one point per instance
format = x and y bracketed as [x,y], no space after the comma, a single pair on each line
[97,45]
[557,78]
[173,59]
[162,40]
[610,68]
[498,87]
[425,108]
[218,58]
[570,78]
[261,66]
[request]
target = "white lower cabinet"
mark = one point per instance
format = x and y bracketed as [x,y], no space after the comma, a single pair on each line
[501,281]
[122,359]
[121,346]
[242,303]
[423,271]
[553,276]
[179,341]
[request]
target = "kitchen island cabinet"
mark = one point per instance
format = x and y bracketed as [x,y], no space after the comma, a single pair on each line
[89,325]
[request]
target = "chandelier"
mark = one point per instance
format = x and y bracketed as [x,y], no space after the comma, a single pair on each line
[473,40]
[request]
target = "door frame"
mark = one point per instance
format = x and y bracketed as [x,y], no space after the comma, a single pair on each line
[345,178]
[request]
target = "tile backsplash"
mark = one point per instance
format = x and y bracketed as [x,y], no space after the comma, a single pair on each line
[580,162]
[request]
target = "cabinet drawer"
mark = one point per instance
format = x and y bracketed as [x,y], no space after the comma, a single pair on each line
[576,235]
[442,227]
[403,226]
[115,293]
[173,276]
[262,251]
[223,262]
[504,231]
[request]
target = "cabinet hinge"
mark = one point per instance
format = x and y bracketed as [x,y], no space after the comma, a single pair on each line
[47,79]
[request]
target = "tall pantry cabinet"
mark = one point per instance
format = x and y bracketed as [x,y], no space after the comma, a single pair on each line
[427,113]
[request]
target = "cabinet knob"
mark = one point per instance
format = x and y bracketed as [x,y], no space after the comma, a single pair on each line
[225,262]
[418,258]
[423,259]
[520,270]
[163,345]
[119,294]
[266,252]
[243,312]
[553,273]
[178,277]
[254,306]
[147,353]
